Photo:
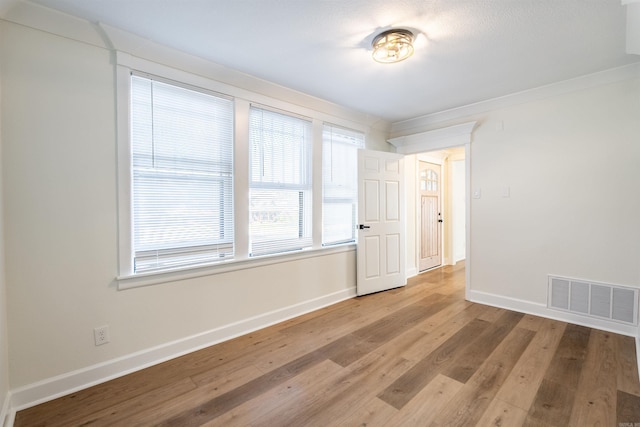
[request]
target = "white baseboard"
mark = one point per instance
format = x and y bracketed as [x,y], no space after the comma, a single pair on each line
[411,272]
[6,417]
[542,310]
[638,352]
[52,388]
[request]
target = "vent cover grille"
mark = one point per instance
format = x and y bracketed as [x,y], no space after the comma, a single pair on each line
[598,300]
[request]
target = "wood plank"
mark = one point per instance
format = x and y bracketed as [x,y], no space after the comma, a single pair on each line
[595,400]
[554,400]
[359,317]
[294,347]
[446,315]
[531,322]
[350,404]
[352,314]
[377,333]
[349,349]
[408,385]
[157,414]
[403,343]
[318,331]
[362,340]
[373,413]
[442,333]
[566,365]
[296,390]
[627,372]
[468,405]
[491,314]
[426,405]
[405,317]
[552,405]
[201,413]
[627,409]
[111,414]
[522,384]
[369,388]
[110,394]
[340,396]
[502,414]
[468,360]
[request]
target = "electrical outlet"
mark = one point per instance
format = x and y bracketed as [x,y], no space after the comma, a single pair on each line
[101,335]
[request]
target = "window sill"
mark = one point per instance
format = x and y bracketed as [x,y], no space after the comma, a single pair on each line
[154,278]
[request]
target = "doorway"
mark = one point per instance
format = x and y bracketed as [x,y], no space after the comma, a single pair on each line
[458,138]
[429,185]
[440,208]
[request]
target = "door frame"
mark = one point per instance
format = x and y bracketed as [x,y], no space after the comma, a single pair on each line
[438,139]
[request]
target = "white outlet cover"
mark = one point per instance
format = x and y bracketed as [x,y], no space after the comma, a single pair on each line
[101,335]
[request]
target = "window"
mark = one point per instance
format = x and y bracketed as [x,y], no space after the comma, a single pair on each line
[339,183]
[428,180]
[193,195]
[182,175]
[280,182]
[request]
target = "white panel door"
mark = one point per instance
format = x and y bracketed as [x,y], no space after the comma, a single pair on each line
[381,229]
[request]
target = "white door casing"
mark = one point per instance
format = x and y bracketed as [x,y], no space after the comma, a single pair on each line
[381,219]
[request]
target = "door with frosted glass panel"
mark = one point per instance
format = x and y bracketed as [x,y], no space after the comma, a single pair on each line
[430,184]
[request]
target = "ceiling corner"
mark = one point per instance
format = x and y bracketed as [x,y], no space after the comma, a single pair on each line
[633,26]
[6,6]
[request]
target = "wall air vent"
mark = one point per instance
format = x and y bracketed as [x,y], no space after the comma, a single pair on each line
[592,299]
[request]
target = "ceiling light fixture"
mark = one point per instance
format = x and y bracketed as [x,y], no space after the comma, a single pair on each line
[392,46]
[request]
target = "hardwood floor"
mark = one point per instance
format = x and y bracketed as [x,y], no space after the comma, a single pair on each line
[416,356]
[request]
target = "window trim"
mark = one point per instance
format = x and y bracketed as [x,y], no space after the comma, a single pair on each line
[157,277]
[306,183]
[124,170]
[125,65]
[177,253]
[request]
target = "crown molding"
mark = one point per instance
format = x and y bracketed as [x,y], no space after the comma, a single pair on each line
[437,139]
[38,17]
[5,7]
[422,123]
[632,46]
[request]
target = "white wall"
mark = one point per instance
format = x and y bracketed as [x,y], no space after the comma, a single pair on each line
[568,154]
[458,202]
[572,164]
[4,349]
[411,227]
[59,151]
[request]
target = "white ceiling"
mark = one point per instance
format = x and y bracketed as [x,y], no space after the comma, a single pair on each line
[467,50]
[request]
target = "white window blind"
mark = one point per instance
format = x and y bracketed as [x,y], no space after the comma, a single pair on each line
[339,183]
[182,159]
[280,182]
